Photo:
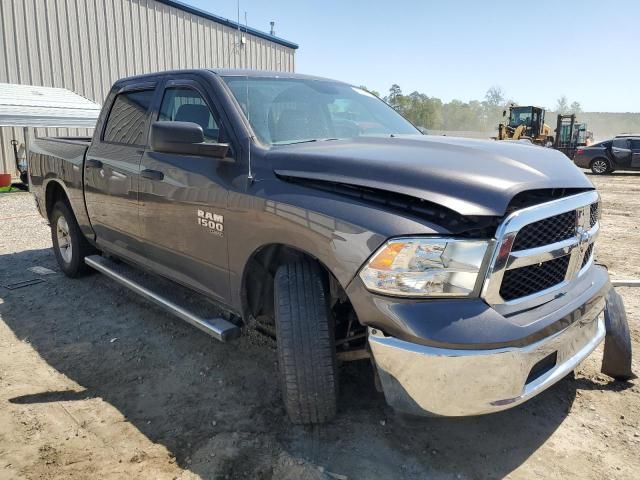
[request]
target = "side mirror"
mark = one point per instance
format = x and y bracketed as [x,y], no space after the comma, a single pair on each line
[504,113]
[185,138]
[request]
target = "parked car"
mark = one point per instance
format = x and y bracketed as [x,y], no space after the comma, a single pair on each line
[464,268]
[619,153]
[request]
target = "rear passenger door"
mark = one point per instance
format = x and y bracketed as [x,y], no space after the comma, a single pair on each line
[621,152]
[635,153]
[183,198]
[112,167]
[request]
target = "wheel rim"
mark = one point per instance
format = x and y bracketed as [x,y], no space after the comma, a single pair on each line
[599,166]
[64,239]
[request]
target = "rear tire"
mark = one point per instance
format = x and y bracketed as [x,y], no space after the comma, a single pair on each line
[69,244]
[306,343]
[600,166]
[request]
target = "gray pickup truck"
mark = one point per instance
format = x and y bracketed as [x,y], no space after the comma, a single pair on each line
[463,269]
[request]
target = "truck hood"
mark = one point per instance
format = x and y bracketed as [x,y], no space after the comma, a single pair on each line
[471,177]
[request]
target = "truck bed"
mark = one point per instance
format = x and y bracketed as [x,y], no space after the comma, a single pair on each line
[59,159]
[66,148]
[57,155]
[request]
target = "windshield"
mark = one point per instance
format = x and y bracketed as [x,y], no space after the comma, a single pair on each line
[283,111]
[520,116]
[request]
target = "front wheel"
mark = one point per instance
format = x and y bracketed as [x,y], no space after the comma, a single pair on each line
[306,343]
[69,244]
[601,166]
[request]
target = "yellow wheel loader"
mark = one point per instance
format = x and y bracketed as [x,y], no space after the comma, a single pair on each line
[525,123]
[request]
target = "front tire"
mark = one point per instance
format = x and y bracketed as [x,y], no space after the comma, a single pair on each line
[69,244]
[306,343]
[601,166]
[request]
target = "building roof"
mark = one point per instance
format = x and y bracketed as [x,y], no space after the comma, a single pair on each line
[33,106]
[228,23]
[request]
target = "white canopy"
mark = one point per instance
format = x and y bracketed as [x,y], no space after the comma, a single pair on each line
[33,106]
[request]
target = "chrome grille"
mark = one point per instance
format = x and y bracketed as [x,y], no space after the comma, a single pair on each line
[587,256]
[550,230]
[524,281]
[541,250]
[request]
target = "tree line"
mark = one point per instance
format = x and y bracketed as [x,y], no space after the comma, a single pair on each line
[432,113]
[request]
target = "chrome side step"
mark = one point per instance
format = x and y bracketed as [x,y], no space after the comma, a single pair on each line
[218,328]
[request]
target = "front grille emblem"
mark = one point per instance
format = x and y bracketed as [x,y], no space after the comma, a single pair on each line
[583,238]
[582,228]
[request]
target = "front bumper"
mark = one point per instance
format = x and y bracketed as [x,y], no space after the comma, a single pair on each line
[449,380]
[425,380]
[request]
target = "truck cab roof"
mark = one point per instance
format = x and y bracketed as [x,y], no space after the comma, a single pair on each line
[231,72]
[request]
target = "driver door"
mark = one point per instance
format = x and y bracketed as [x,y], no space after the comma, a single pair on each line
[621,152]
[183,198]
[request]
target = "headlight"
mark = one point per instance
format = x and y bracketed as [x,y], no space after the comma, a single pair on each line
[425,267]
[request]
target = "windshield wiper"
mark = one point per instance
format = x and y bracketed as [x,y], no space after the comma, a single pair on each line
[308,141]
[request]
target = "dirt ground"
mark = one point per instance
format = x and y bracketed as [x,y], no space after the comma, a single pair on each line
[97,383]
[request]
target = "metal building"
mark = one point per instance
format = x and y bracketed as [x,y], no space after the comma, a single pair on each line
[85,45]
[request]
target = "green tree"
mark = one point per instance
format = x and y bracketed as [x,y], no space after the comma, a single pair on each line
[395,96]
[397,100]
[423,111]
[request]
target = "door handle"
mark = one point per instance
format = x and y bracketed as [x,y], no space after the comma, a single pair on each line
[152,174]
[93,163]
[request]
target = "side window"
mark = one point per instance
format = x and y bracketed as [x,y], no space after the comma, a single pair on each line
[635,144]
[621,143]
[127,118]
[183,104]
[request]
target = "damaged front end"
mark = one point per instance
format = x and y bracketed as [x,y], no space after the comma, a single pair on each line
[544,307]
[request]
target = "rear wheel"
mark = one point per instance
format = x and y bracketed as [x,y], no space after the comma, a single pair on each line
[601,166]
[306,343]
[69,244]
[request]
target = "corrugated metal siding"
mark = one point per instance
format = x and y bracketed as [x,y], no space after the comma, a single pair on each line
[85,45]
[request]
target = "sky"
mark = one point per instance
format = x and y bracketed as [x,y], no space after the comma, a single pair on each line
[587,50]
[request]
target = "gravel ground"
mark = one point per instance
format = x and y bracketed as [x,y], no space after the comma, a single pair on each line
[97,383]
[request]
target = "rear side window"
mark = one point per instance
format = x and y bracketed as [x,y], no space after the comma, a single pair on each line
[635,143]
[621,143]
[127,119]
[183,104]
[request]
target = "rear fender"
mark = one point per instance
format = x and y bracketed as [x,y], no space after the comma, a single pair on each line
[74,195]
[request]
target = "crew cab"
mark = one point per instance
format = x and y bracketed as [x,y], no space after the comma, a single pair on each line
[463,269]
